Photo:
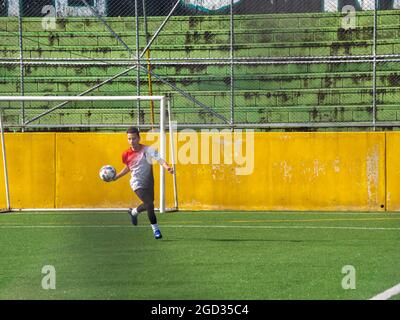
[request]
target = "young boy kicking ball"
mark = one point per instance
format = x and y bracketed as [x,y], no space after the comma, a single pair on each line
[137,160]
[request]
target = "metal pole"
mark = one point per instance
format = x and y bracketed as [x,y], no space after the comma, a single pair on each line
[232,68]
[183,93]
[80,95]
[3,146]
[21,58]
[149,80]
[162,154]
[160,28]
[84,61]
[77,98]
[277,125]
[172,146]
[145,21]
[137,62]
[374,48]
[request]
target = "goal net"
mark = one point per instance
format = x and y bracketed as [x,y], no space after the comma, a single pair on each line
[43,153]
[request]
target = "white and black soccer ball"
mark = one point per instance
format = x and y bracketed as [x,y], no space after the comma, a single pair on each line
[107,173]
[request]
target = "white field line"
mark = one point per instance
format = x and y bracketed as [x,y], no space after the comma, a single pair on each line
[388,293]
[193,226]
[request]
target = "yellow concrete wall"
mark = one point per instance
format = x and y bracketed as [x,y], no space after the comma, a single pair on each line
[79,158]
[31,170]
[295,171]
[292,171]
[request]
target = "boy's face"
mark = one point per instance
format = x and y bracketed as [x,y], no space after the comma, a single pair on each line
[133,139]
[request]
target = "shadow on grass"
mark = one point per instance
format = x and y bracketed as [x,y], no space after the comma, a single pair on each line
[244,240]
[256,240]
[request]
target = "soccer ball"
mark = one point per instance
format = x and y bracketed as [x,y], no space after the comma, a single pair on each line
[107,173]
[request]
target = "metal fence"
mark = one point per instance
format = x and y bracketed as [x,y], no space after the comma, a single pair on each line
[266,64]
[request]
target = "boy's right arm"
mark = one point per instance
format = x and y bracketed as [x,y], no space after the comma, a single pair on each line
[123,172]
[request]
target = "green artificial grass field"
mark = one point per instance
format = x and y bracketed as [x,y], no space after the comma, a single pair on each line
[203,255]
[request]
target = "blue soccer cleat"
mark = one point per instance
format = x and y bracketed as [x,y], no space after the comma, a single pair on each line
[157,234]
[133,214]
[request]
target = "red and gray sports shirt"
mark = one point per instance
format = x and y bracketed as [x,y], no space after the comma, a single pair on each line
[140,164]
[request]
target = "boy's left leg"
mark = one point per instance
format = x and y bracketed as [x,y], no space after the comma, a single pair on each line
[147,196]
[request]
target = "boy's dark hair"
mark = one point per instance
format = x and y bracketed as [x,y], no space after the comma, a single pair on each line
[133,130]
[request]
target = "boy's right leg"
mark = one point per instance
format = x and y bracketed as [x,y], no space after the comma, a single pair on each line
[141,208]
[135,212]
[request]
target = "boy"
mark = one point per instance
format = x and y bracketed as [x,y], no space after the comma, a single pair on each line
[137,159]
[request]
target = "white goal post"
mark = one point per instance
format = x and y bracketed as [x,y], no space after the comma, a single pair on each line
[164,104]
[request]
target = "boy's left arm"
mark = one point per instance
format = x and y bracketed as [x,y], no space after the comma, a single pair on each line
[155,155]
[166,166]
